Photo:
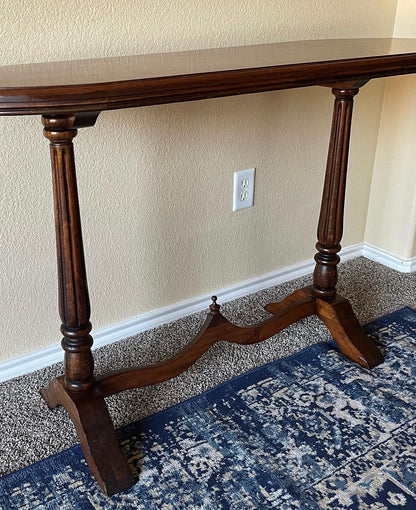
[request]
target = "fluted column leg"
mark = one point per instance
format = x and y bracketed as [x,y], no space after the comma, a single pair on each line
[331,218]
[74,305]
[77,390]
[334,310]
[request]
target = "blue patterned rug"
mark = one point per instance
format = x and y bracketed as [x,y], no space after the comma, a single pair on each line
[312,431]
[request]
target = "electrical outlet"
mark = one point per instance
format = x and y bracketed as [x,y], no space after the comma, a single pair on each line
[243,193]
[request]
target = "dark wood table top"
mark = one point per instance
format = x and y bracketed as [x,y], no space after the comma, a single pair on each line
[122,82]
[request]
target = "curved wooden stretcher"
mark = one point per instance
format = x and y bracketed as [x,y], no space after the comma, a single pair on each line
[70,95]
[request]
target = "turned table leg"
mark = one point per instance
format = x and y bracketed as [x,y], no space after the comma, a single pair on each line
[335,311]
[74,305]
[76,391]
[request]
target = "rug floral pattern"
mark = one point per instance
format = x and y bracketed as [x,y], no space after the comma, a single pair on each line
[312,431]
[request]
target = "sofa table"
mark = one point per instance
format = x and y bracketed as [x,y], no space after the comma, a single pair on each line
[70,95]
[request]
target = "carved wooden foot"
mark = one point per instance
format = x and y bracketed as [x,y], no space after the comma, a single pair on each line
[341,322]
[345,329]
[88,412]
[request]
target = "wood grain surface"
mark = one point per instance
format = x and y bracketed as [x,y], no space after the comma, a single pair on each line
[129,81]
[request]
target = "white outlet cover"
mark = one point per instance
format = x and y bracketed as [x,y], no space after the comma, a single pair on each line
[243,191]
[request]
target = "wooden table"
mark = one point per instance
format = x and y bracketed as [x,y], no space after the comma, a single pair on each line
[70,95]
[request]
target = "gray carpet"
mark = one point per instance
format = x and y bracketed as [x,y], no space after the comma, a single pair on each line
[30,431]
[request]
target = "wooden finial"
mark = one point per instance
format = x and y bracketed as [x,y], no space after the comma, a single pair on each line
[214,308]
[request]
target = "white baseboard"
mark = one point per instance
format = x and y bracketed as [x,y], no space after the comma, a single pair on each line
[53,354]
[388,259]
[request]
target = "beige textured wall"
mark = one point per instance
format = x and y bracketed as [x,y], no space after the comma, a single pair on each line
[155,183]
[391,223]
